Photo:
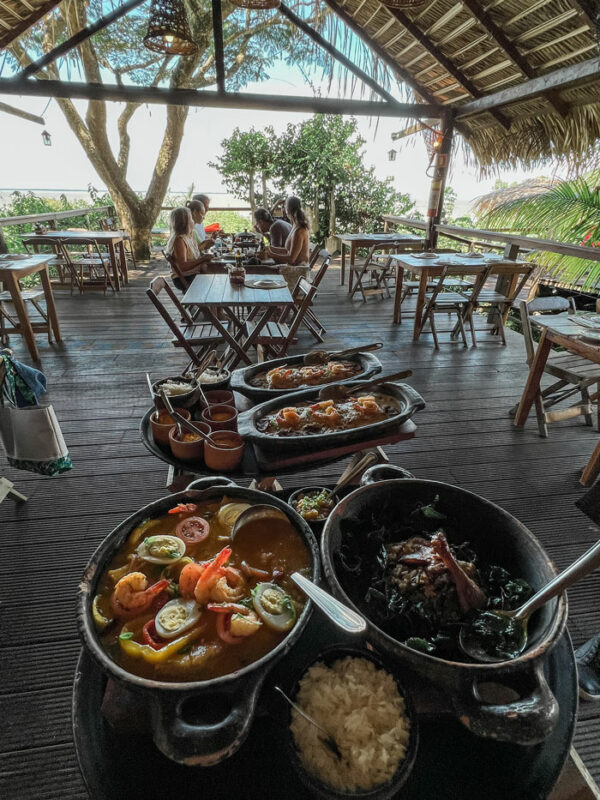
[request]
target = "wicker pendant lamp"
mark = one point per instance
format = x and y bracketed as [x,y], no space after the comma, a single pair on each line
[168,29]
[253,4]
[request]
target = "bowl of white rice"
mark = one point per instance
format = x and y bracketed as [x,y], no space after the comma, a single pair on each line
[361,704]
[180,390]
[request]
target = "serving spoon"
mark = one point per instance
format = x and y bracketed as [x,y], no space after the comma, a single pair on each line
[328,740]
[339,391]
[316,357]
[472,646]
[182,422]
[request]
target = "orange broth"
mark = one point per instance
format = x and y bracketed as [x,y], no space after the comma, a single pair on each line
[273,546]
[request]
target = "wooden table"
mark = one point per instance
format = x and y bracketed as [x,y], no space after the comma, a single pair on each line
[427,268]
[112,240]
[208,293]
[564,331]
[10,274]
[356,240]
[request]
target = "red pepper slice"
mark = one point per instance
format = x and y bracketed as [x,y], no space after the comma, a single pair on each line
[182,508]
[151,637]
[223,629]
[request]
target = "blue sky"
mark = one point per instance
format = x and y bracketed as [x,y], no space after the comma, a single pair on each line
[64,166]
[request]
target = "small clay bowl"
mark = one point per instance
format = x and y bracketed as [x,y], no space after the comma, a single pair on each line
[220,418]
[191,450]
[222,397]
[315,524]
[185,400]
[227,456]
[160,430]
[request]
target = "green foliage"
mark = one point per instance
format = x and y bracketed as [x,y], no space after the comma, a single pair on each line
[568,211]
[319,159]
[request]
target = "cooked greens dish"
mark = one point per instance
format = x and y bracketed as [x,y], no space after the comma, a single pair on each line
[406,576]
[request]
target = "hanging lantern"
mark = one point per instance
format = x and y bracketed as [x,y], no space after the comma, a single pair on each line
[402,4]
[168,29]
[391,155]
[46,138]
[256,3]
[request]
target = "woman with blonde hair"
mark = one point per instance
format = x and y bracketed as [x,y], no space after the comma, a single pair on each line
[198,211]
[293,256]
[182,248]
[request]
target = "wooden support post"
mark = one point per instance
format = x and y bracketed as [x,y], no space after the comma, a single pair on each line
[438,182]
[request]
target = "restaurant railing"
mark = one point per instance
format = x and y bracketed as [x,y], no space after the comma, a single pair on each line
[50,217]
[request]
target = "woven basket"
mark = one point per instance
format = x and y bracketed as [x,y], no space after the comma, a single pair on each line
[401,4]
[168,29]
[254,4]
[431,137]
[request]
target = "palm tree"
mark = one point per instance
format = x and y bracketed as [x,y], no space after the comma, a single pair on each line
[563,210]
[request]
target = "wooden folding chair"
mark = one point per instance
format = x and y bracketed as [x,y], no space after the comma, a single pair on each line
[411,285]
[453,302]
[40,244]
[376,268]
[497,302]
[89,267]
[32,296]
[196,338]
[575,374]
[276,336]
[172,261]
[110,224]
[311,322]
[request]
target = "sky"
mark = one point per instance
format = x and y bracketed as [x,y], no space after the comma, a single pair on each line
[64,166]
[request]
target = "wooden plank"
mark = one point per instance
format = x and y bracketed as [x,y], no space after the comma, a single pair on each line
[559,79]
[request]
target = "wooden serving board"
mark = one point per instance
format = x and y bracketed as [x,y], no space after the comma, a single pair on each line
[272,459]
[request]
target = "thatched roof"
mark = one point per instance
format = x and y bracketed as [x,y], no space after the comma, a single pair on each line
[18,15]
[451,52]
[456,51]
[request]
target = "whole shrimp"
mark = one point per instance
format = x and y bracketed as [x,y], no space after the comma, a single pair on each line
[132,596]
[231,586]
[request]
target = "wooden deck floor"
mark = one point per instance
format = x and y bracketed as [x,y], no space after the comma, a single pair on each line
[98,388]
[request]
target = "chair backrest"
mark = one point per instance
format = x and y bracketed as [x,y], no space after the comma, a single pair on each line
[320,273]
[506,269]
[172,261]
[541,305]
[308,292]
[157,286]
[314,255]
[480,275]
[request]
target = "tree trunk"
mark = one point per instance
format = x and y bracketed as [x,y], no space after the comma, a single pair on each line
[264,191]
[138,222]
[315,219]
[332,211]
[251,192]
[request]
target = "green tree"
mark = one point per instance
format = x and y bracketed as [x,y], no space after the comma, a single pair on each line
[564,210]
[253,40]
[247,157]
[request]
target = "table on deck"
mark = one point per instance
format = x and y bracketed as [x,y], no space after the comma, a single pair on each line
[211,292]
[112,240]
[427,268]
[562,330]
[356,240]
[11,271]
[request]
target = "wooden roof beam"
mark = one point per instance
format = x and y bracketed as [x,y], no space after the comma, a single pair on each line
[192,97]
[498,35]
[585,11]
[559,79]
[445,62]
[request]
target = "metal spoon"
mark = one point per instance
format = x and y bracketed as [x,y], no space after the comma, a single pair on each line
[316,357]
[261,511]
[181,421]
[342,616]
[338,391]
[149,380]
[206,361]
[328,739]
[585,564]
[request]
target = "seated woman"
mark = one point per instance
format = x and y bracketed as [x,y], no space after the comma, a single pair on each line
[198,211]
[183,248]
[293,256]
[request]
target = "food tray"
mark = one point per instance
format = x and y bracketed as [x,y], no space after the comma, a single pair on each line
[240,377]
[256,460]
[451,763]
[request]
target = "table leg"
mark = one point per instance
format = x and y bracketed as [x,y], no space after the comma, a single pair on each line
[420,304]
[397,298]
[123,258]
[115,267]
[532,387]
[227,337]
[260,323]
[24,323]
[352,259]
[592,468]
[343,265]
[50,307]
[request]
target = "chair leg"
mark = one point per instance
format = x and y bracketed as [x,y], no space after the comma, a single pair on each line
[541,415]
[436,344]
[471,315]
[44,316]
[461,328]
[501,326]
[585,397]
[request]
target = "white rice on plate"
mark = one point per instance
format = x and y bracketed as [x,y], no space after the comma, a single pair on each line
[360,706]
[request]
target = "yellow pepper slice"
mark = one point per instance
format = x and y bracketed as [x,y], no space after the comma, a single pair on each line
[149,654]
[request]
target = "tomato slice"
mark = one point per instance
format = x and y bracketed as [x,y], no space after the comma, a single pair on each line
[193,530]
[223,626]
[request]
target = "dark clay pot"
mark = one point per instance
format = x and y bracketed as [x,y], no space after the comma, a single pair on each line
[498,538]
[196,722]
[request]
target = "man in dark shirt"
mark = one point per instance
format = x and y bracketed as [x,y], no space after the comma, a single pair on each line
[277,229]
